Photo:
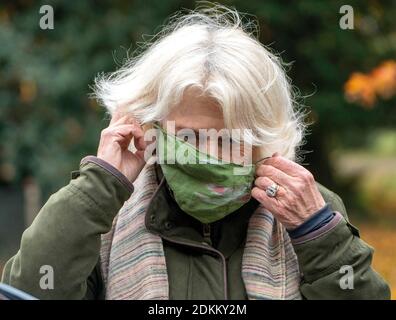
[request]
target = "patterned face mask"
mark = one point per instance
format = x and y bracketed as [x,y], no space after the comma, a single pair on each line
[202,185]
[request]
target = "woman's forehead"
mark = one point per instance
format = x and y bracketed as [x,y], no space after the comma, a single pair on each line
[196,111]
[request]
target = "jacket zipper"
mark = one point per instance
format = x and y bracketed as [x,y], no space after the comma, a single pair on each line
[206,233]
[207,247]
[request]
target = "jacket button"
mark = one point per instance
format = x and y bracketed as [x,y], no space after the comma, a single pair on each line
[152,218]
[168,225]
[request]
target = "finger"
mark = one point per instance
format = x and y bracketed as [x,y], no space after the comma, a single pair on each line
[118,120]
[292,168]
[288,166]
[129,131]
[124,133]
[123,118]
[264,182]
[137,129]
[140,143]
[135,132]
[117,115]
[138,134]
[123,137]
[140,155]
[274,174]
[268,202]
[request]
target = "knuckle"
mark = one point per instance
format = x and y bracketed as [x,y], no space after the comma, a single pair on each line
[292,200]
[308,177]
[267,170]
[258,181]
[298,188]
[276,160]
[261,181]
[282,192]
[257,194]
[259,170]
[105,132]
[270,160]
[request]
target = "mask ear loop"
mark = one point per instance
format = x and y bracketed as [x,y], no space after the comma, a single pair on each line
[170,191]
[156,125]
[257,162]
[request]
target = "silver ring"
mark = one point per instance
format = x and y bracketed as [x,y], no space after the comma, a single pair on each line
[272,190]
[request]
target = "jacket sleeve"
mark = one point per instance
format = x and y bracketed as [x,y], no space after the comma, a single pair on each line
[335,263]
[59,252]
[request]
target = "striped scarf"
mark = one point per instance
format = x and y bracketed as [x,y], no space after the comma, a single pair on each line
[133,261]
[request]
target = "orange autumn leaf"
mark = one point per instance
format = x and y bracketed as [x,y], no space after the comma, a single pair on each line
[384,79]
[360,89]
[366,88]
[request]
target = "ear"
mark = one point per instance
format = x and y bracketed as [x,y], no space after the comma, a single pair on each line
[147,126]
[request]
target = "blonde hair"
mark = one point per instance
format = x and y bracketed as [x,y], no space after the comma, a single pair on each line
[210,48]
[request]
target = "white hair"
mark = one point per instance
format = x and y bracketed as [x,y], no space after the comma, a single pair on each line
[210,48]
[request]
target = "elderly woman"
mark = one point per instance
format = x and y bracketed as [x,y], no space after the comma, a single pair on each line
[127,227]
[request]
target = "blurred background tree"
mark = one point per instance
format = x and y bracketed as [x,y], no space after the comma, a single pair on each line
[48,123]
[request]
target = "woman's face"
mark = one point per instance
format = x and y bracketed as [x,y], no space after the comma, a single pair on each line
[197,112]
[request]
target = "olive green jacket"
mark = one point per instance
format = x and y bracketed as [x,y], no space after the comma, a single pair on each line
[66,235]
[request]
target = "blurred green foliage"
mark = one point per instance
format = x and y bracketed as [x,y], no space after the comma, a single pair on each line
[48,123]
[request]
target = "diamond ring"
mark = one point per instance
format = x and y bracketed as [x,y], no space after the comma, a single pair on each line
[272,190]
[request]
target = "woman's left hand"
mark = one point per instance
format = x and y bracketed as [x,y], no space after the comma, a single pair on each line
[297,197]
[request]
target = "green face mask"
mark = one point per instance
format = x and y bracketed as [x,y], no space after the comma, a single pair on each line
[202,188]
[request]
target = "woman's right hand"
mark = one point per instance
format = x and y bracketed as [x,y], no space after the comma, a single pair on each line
[114,142]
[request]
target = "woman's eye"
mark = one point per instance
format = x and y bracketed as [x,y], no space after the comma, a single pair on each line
[189,138]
